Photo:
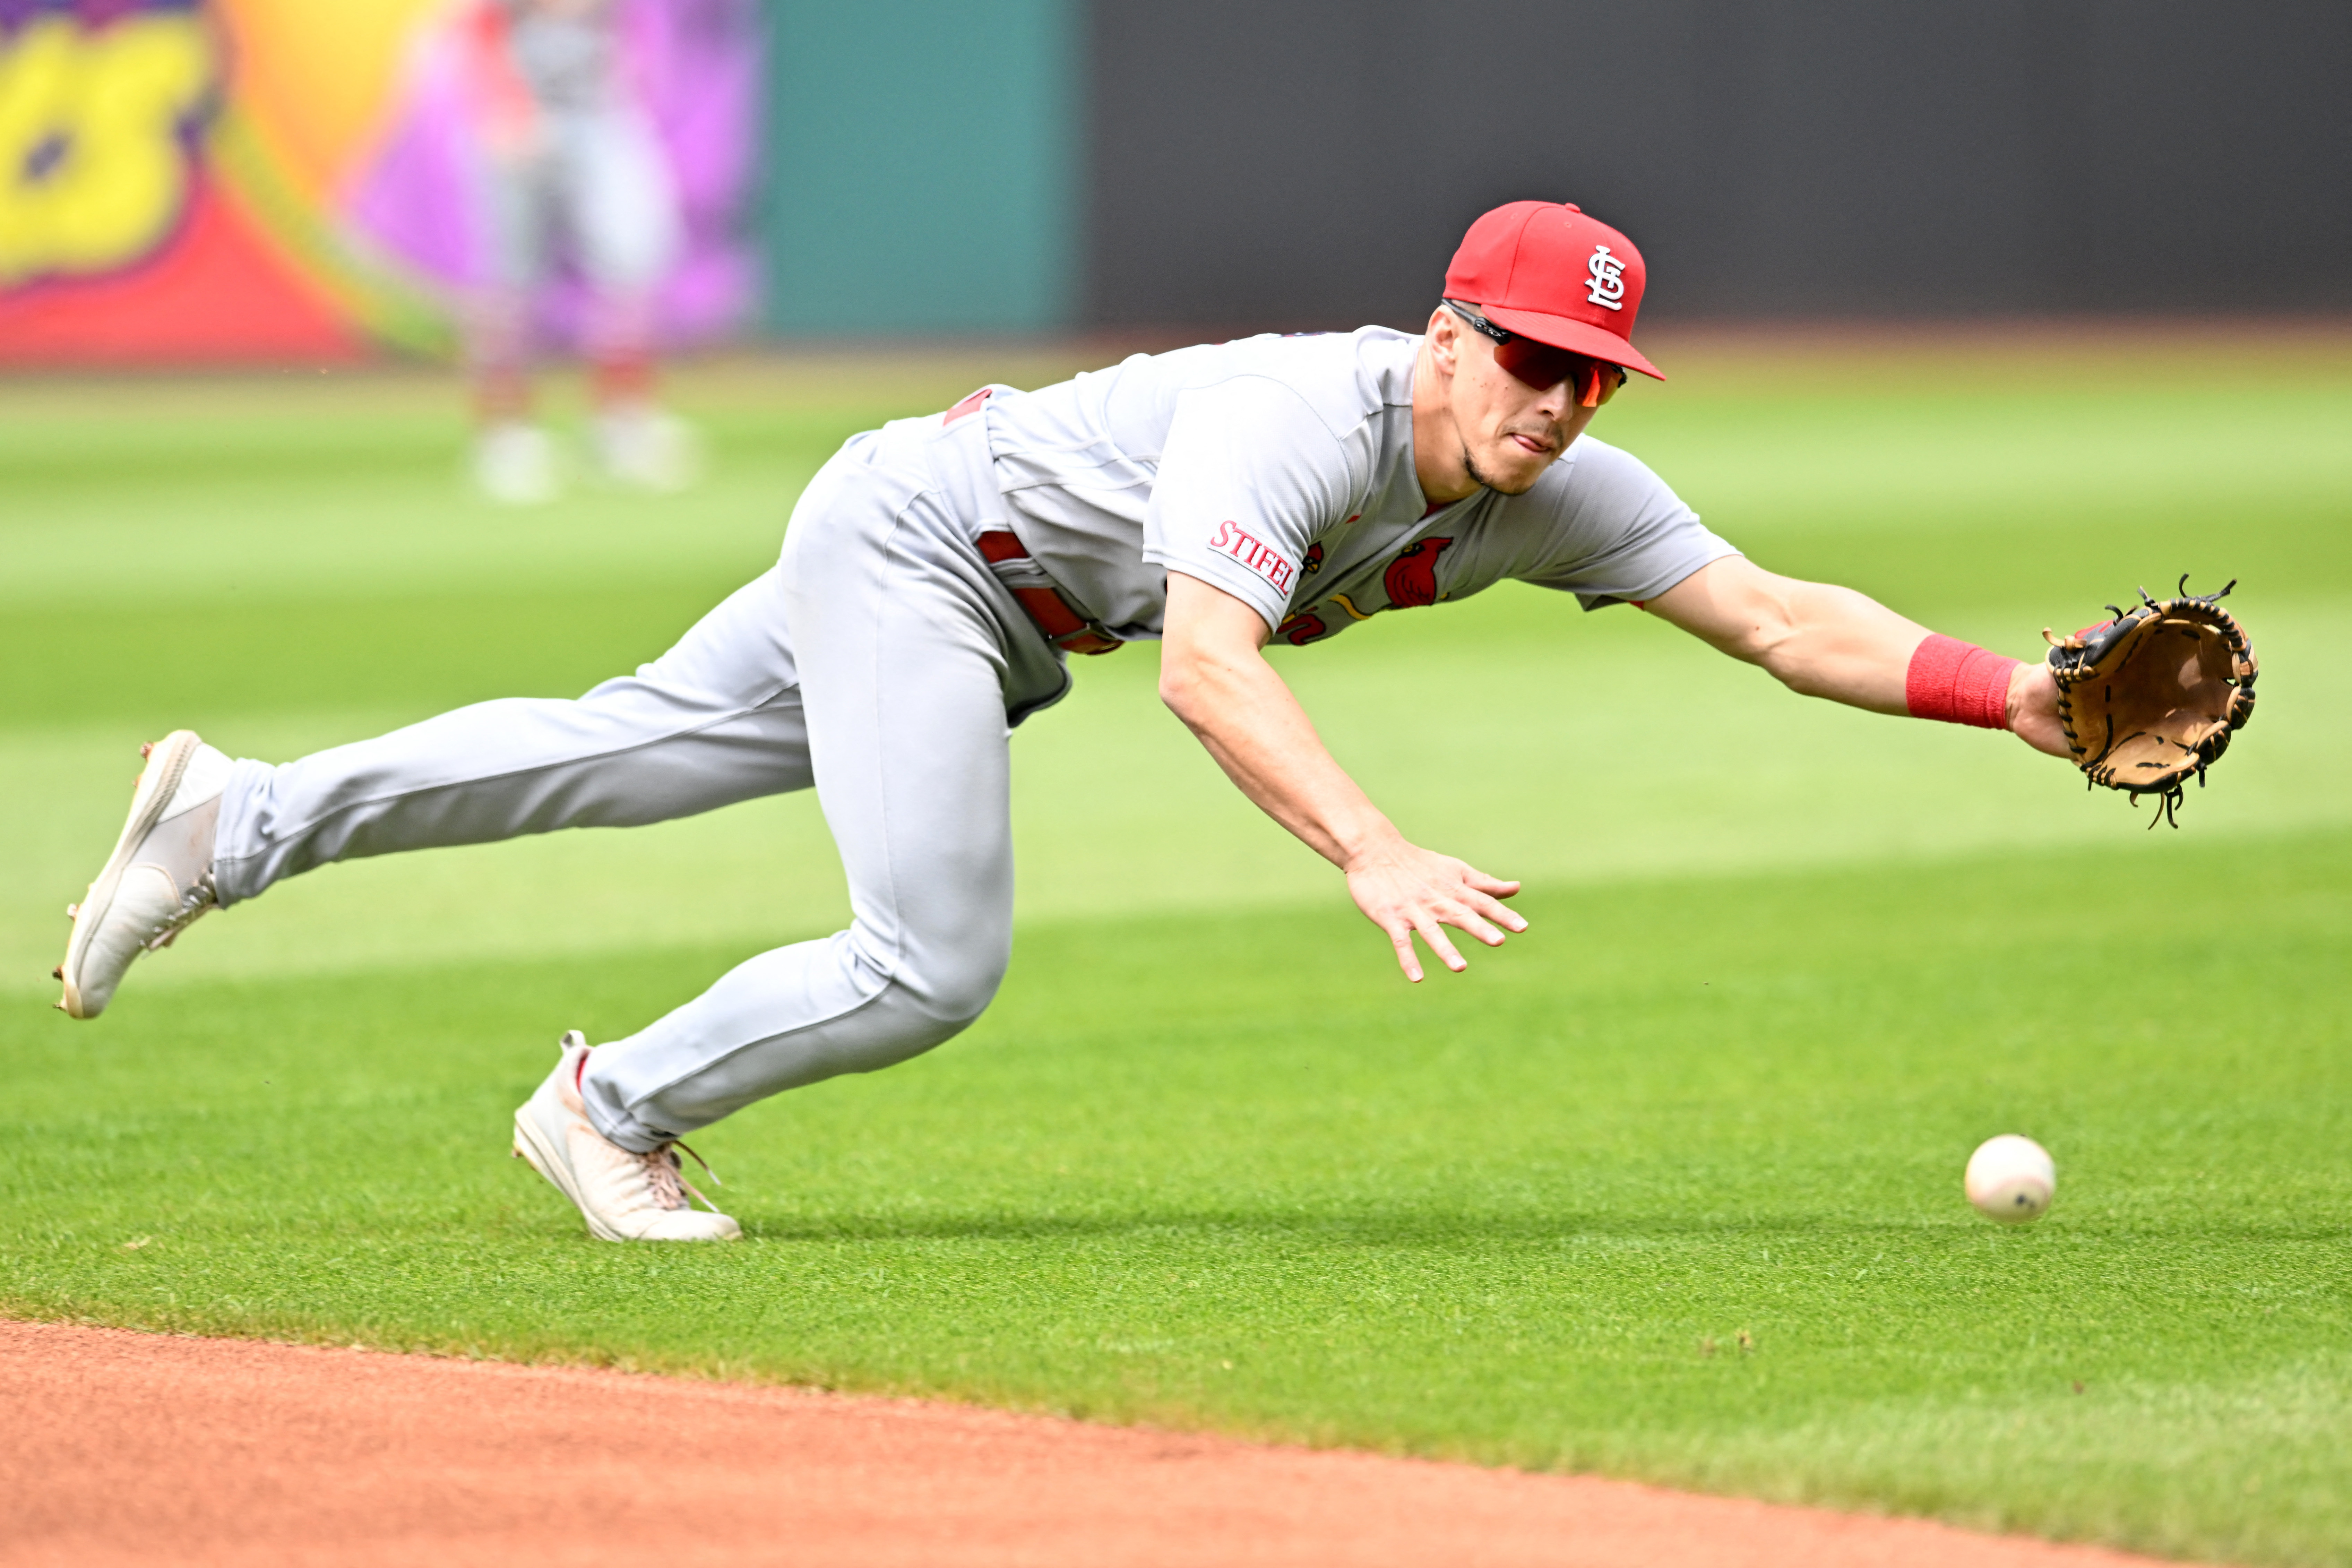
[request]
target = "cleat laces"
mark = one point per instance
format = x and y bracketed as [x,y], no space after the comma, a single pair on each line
[193,901]
[666,1175]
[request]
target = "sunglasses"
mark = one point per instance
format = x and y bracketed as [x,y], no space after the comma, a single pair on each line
[1596,380]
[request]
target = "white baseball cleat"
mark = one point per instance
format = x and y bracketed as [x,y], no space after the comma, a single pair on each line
[160,877]
[625,1197]
[648,448]
[517,464]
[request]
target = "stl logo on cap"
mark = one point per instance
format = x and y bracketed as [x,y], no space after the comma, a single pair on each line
[1608,280]
[1549,271]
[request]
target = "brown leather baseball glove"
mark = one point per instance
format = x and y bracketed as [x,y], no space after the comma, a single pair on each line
[2153,696]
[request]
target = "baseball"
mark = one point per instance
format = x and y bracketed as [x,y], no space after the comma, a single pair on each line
[2011,1178]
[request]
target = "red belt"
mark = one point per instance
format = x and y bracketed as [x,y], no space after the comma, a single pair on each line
[1063,626]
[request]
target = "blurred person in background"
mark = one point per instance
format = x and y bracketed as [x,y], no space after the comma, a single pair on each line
[570,159]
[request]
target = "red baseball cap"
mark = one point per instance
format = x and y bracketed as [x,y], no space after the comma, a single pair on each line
[1547,271]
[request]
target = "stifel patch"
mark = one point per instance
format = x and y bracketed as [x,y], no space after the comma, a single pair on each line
[1232,538]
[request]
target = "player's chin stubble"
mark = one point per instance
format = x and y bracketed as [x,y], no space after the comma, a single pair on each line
[1478,476]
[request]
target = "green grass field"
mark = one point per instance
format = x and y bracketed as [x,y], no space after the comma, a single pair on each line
[1669,1188]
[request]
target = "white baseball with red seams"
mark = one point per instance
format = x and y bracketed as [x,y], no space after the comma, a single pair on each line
[2011,1178]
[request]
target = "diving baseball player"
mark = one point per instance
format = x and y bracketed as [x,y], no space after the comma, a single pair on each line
[935,577]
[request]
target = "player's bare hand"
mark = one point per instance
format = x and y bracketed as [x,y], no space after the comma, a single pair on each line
[1410,891]
[2033,709]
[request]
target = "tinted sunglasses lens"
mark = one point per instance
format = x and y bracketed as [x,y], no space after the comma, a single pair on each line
[1598,383]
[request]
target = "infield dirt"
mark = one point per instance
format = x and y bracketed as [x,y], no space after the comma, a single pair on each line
[138,1448]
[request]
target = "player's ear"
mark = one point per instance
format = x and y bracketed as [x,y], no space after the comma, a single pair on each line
[1444,333]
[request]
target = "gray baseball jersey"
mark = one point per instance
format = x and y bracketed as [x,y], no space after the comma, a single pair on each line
[1280,469]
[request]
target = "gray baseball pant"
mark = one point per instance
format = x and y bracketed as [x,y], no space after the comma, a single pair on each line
[880,661]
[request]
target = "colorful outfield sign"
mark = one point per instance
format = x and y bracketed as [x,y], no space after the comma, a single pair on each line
[204,181]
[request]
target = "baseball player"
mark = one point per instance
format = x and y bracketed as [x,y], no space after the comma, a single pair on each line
[936,576]
[567,154]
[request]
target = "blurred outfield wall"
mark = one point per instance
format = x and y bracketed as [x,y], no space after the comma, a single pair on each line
[923,166]
[1310,163]
[260,179]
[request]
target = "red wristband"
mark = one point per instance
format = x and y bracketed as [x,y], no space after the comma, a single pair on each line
[1959,683]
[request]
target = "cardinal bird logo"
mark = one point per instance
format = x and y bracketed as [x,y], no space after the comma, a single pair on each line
[1412,578]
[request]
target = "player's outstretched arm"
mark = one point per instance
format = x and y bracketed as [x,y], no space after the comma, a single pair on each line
[1827,641]
[1215,676]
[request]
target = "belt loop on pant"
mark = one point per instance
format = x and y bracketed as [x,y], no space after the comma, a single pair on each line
[1062,623]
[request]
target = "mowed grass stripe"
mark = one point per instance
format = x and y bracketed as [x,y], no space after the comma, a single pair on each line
[133,671]
[1540,742]
[1525,1216]
[2097,472]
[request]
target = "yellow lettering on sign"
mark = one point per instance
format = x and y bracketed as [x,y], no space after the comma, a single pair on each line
[93,171]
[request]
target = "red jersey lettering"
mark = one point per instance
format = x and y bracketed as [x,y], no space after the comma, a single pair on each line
[1234,540]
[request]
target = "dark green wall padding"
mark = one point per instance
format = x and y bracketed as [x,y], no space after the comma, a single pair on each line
[921,167]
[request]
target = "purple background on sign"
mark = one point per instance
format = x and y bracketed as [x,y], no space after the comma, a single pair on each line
[694,65]
[90,13]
